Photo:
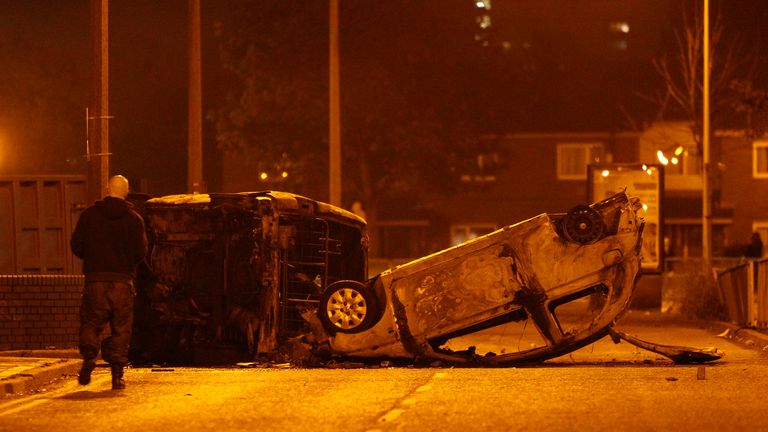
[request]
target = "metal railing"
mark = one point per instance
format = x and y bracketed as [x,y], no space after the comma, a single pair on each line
[744,292]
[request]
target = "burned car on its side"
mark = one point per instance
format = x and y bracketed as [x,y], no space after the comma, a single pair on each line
[283,275]
[237,269]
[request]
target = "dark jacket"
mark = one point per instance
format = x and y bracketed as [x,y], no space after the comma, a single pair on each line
[111,240]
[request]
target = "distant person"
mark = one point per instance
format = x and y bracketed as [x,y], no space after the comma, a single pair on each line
[357,208]
[755,247]
[110,239]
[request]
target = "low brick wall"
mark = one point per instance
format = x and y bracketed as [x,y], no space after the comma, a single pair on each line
[39,311]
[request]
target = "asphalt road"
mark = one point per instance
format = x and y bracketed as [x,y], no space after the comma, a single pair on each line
[600,387]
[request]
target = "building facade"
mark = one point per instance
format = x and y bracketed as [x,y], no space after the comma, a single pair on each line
[547,172]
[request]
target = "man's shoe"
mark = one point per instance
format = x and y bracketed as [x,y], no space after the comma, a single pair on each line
[84,378]
[117,378]
[118,384]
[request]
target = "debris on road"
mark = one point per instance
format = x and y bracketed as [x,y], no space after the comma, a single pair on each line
[678,354]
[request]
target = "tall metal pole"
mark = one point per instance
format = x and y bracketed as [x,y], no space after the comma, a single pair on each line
[706,213]
[195,182]
[334,127]
[98,114]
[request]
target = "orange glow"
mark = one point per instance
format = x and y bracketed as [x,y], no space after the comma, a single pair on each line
[663,159]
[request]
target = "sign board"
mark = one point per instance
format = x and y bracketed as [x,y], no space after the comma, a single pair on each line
[645,182]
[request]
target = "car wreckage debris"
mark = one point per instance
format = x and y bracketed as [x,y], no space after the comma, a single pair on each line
[284,278]
[678,354]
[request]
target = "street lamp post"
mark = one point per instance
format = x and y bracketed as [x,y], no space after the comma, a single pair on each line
[334,126]
[706,213]
[97,118]
[195,110]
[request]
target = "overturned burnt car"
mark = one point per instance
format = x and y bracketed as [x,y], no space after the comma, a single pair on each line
[273,271]
[570,274]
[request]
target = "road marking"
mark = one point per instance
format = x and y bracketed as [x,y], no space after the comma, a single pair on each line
[27,405]
[392,415]
[26,402]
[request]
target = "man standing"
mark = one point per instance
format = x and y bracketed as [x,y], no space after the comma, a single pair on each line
[111,241]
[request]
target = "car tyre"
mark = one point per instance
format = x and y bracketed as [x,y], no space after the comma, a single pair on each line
[583,225]
[348,306]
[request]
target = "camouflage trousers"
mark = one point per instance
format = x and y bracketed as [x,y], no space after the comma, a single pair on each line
[107,303]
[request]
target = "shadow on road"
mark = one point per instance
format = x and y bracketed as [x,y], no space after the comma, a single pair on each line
[87,394]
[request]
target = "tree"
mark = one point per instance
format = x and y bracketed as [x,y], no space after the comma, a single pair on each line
[682,74]
[753,102]
[406,124]
[731,70]
[273,112]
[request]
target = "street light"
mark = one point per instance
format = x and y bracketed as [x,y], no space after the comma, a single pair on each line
[673,159]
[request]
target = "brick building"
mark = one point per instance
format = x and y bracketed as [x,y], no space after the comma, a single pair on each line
[547,172]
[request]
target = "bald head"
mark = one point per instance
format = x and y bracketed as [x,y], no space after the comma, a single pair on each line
[118,187]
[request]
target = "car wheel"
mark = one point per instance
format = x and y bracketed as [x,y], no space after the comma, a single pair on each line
[348,307]
[583,225]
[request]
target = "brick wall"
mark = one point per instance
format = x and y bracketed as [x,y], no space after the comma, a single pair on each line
[39,311]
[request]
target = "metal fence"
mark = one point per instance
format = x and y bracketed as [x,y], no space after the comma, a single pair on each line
[744,292]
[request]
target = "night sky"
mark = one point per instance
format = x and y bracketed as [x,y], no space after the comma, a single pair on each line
[45,72]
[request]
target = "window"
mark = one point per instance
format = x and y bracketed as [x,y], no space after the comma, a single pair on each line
[620,45]
[572,159]
[760,159]
[465,233]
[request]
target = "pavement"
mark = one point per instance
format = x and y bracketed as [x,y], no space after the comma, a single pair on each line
[23,371]
[26,371]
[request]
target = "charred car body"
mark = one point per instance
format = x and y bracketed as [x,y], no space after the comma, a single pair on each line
[238,269]
[270,270]
[570,274]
